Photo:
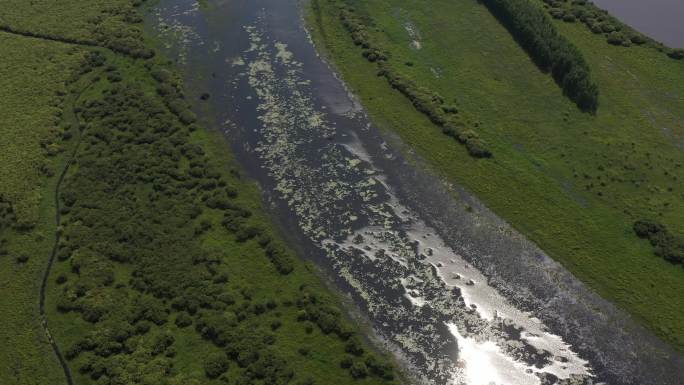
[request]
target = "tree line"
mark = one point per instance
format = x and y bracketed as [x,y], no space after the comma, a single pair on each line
[535,32]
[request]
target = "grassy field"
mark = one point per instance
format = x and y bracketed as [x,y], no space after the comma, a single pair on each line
[572,182]
[67,19]
[167,269]
[32,73]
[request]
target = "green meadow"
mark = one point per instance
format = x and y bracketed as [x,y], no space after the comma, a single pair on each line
[573,182]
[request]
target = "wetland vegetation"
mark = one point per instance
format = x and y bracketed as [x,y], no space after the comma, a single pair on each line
[157,261]
[134,248]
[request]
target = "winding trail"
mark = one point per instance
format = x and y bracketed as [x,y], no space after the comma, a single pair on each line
[58,233]
[58,215]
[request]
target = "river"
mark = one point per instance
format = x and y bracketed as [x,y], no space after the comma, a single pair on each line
[453,291]
[662,20]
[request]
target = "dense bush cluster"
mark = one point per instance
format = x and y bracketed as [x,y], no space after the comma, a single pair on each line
[359,362]
[424,100]
[134,211]
[119,29]
[536,33]
[600,22]
[137,169]
[664,243]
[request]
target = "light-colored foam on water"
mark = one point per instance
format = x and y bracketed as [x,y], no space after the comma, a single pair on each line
[392,237]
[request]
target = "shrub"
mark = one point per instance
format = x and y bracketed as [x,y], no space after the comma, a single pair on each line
[569,18]
[616,38]
[183,320]
[638,39]
[358,370]
[556,13]
[607,28]
[595,28]
[187,117]
[354,346]
[215,365]
[142,327]
[535,32]
[677,54]
[61,278]
[664,243]
[346,362]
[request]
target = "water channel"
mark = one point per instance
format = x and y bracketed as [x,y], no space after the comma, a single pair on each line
[453,291]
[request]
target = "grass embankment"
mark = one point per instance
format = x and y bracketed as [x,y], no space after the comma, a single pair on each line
[572,182]
[167,269]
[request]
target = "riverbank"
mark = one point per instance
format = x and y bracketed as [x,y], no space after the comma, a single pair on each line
[559,176]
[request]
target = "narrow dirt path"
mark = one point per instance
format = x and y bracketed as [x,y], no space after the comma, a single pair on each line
[58,216]
[58,233]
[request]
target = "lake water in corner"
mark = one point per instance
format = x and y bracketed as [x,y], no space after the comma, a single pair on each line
[453,291]
[662,20]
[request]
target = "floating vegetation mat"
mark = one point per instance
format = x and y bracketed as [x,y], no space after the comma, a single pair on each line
[424,298]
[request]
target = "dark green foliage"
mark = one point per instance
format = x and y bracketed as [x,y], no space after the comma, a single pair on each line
[637,39]
[61,279]
[183,319]
[569,18]
[358,369]
[279,256]
[535,32]
[664,243]
[617,38]
[354,346]
[216,364]
[114,77]
[677,54]
[130,172]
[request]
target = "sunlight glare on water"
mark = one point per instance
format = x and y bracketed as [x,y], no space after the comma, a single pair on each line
[485,364]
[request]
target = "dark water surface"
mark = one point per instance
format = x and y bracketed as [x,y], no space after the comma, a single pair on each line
[457,294]
[662,20]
